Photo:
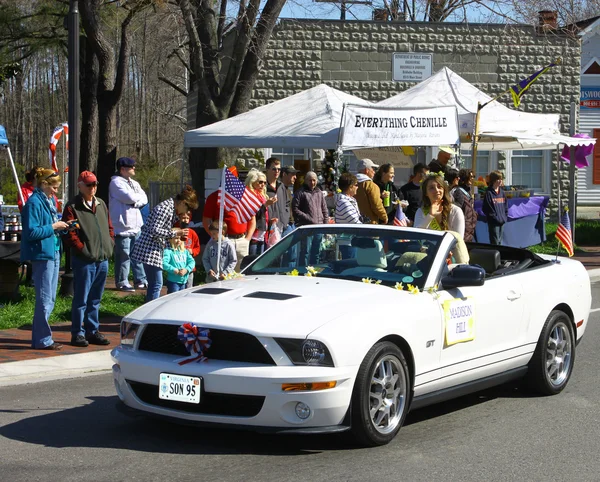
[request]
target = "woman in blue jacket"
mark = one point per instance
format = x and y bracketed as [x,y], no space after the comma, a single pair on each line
[40,244]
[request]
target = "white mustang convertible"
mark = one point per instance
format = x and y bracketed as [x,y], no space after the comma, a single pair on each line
[348,327]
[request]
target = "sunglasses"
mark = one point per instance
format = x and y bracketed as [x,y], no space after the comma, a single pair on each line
[92,184]
[261,182]
[276,169]
[54,174]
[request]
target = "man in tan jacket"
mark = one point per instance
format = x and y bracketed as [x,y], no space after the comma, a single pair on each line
[368,195]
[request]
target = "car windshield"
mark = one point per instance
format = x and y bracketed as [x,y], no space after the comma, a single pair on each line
[388,256]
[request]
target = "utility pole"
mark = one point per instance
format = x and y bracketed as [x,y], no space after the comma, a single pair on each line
[66,288]
[344,5]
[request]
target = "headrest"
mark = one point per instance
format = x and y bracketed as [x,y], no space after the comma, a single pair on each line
[373,257]
[400,247]
[362,242]
[488,259]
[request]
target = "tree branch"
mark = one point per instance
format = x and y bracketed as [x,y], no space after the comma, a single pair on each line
[173,85]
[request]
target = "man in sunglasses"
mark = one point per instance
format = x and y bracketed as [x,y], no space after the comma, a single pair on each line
[91,245]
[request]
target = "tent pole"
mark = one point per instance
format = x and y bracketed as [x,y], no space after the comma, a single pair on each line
[475,140]
[14,171]
[572,207]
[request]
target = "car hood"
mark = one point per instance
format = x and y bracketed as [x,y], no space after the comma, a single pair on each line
[286,306]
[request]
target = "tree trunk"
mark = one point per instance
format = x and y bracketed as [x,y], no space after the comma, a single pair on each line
[107,145]
[88,85]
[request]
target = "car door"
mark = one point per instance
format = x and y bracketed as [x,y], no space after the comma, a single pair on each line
[485,328]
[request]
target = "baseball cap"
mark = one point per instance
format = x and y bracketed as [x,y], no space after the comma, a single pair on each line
[448,150]
[289,170]
[125,162]
[366,163]
[87,177]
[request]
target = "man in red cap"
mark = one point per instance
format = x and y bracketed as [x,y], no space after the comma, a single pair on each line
[91,246]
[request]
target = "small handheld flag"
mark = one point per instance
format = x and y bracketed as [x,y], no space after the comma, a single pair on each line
[564,234]
[243,202]
[518,90]
[54,138]
[400,218]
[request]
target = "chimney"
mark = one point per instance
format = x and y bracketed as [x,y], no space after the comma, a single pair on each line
[548,19]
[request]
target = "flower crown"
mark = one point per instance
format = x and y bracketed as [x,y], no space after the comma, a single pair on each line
[433,174]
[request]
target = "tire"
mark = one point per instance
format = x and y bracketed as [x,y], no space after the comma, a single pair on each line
[381,395]
[551,366]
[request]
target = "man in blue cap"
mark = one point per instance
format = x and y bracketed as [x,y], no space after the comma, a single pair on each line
[126,197]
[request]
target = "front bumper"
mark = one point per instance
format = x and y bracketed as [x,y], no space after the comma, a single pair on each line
[226,384]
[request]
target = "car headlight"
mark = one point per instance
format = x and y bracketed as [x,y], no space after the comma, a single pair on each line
[129,330]
[306,352]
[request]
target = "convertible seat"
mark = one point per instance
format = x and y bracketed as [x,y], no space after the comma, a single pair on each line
[369,254]
[460,251]
[488,259]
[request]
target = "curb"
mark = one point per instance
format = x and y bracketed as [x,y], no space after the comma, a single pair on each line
[594,274]
[55,368]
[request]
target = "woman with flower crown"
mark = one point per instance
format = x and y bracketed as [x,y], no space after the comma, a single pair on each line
[438,212]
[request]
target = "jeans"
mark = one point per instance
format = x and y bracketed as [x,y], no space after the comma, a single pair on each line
[155,281]
[45,279]
[496,231]
[89,278]
[123,248]
[309,250]
[289,257]
[174,287]
[256,247]
[348,252]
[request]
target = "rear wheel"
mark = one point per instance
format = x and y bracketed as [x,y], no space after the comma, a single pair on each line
[552,363]
[381,395]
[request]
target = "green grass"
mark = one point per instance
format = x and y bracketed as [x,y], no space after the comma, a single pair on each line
[587,233]
[20,313]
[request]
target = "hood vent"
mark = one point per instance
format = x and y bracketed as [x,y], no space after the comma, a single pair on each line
[269,295]
[212,291]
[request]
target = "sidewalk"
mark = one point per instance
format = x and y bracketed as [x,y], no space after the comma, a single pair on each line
[21,364]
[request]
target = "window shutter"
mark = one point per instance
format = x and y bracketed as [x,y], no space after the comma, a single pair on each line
[596,159]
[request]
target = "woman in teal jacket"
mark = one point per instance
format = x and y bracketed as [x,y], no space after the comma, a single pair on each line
[40,244]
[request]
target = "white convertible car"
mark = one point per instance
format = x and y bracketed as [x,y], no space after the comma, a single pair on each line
[348,327]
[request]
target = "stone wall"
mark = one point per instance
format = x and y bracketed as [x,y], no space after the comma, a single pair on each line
[356,57]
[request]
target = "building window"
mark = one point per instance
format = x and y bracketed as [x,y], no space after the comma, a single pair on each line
[287,155]
[527,169]
[484,162]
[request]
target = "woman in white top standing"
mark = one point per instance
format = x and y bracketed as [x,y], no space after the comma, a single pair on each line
[438,212]
[346,211]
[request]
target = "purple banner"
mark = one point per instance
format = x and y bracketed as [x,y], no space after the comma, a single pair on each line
[518,207]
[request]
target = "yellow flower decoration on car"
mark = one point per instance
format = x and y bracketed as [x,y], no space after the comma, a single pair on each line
[399,286]
[367,280]
[378,282]
[294,272]
[233,275]
[310,271]
[413,290]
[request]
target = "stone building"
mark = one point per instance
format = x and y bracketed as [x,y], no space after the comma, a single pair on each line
[356,57]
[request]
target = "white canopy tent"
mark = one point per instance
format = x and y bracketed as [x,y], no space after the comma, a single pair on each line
[500,128]
[309,119]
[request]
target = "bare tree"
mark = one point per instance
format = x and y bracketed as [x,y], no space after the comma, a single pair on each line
[224,91]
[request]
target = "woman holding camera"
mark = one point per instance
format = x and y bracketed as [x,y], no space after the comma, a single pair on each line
[40,244]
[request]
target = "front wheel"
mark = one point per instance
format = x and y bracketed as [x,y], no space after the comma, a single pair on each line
[381,395]
[552,363]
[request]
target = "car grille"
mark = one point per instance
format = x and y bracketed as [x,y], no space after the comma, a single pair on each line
[226,345]
[210,403]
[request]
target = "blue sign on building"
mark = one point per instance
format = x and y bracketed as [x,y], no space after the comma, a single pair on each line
[590,98]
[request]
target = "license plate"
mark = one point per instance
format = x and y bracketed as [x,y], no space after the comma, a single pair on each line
[179,388]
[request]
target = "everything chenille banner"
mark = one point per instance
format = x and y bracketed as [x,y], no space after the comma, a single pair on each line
[364,126]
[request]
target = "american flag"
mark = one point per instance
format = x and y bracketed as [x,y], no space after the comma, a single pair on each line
[400,218]
[56,134]
[243,202]
[563,233]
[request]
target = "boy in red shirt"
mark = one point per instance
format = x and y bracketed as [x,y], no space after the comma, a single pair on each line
[191,243]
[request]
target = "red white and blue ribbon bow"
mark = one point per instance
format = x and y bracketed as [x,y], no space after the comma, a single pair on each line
[196,341]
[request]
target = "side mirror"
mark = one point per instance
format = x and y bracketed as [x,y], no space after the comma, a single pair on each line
[464,275]
[247,260]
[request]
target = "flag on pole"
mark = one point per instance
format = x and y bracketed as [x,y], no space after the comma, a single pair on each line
[563,232]
[242,201]
[518,90]
[56,134]
[400,218]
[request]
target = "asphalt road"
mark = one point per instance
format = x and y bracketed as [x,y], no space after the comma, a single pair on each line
[69,431]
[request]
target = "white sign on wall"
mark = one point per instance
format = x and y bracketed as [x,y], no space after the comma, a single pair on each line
[364,126]
[411,67]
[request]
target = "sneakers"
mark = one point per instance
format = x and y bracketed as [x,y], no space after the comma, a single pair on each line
[127,288]
[142,286]
[97,339]
[55,346]
[79,340]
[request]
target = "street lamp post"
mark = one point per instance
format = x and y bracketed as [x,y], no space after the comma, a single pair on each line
[73,24]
